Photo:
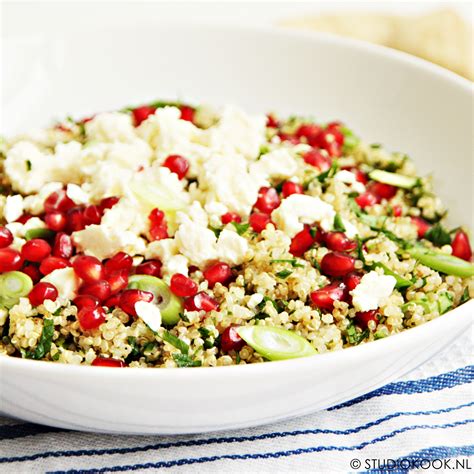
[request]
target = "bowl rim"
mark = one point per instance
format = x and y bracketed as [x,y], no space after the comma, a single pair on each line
[464,311]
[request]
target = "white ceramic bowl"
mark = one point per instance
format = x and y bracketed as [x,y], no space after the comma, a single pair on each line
[384,96]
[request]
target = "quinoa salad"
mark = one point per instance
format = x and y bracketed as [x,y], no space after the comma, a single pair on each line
[168,235]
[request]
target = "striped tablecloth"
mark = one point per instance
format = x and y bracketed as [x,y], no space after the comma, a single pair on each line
[426,417]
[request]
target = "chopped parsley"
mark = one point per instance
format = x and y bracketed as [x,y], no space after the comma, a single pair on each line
[292,261]
[438,235]
[217,230]
[465,296]
[241,228]
[44,343]
[28,165]
[176,342]
[355,337]
[339,224]
[284,273]
[183,360]
[322,177]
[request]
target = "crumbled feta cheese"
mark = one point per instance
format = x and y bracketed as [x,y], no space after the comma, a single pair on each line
[111,127]
[254,300]
[231,247]
[13,208]
[161,250]
[65,280]
[299,209]
[350,178]
[103,242]
[77,194]
[149,313]
[372,291]
[276,164]
[125,215]
[196,243]
[176,264]
[19,230]
[194,213]
[351,229]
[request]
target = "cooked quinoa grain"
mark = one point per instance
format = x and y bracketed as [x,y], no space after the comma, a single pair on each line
[172,236]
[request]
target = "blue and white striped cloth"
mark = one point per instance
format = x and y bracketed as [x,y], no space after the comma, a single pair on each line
[427,415]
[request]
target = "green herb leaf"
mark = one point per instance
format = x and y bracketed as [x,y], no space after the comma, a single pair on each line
[284,273]
[241,228]
[322,177]
[217,230]
[176,342]
[438,235]
[355,337]
[183,360]
[465,296]
[135,349]
[339,224]
[292,261]
[44,343]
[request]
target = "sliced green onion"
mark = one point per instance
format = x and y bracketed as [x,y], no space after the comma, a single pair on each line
[401,281]
[276,343]
[445,302]
[39,233]
[394,179]
[169,304]
[13,286]
[441,262]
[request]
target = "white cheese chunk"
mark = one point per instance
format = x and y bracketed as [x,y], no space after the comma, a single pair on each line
[13,207]
[66,282]
[149,313]
[349,178]
[299,209]
[231,247]
[77,194]
[372,291]
[111,127]
[196,243]
[276,164]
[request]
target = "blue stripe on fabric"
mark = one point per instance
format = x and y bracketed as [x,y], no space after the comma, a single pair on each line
[438,382]
[432,453]
[457,377]
[269,455]
[222,440]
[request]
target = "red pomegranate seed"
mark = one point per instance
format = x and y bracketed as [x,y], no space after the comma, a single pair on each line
[177,164]
[310,131]
[339,241]
[320,237]
[259,221]
[272,122]
[56,221]
[142,113]
[100,289]
[113,301]
[285,137]
[108,203]
[86,301]
[35,250]
[118,281]
[159,232]
[201,302]
[88,268]
[49,264]
[33,272]
[23,219]
[218,273]
[107,362]
[230,217]
[397,211]
[361,177]
[120,261]
[325,297]
[364,317]
[92,215]
[351,280]
[268,200]
[289,188]
[366,199]
[301,242]
[151,267]
[461,246]
[6,237]
[156,216]
[63,245]
[10,260]
[42,291]
[91,318]
[421,226]
[337,264]
[58,201]
[383,191]
[317,159]
[331,141]
[230,340]
[75,220]
[187,113]
[129,297]
[183,286]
